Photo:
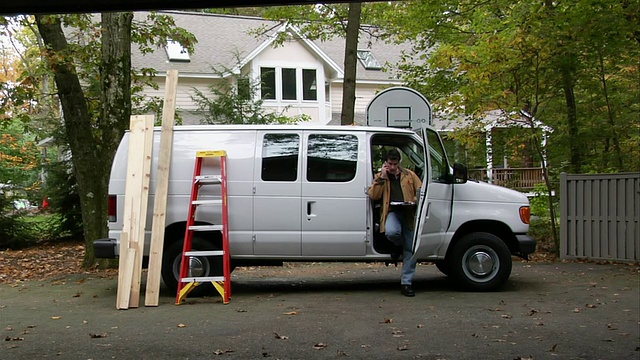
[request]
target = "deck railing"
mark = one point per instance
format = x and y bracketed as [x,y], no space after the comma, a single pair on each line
[514,178]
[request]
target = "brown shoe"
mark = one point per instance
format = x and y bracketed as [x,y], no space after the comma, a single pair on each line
[407,290]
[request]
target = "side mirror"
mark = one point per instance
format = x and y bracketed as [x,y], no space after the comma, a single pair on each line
[460,174]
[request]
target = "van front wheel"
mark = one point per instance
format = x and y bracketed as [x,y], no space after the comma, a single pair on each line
[480,262]
[200,265]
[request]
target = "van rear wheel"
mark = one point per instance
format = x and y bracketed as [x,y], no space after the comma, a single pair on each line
[200,265]
[480,262]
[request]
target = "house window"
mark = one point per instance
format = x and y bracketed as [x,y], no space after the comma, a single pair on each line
[288,84]
[368,60]
[268,83]
[289,89]
[309,85]
[176,52]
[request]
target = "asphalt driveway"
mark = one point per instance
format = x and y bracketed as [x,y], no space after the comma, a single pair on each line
[319,311]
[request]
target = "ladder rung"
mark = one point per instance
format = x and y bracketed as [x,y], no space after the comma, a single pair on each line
[208,179]
[204,253]
[207,202]
[202,279]
[206,227]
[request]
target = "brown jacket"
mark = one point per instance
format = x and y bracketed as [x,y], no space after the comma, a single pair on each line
[380,189]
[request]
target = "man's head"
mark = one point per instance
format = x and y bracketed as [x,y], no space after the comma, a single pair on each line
[392,161]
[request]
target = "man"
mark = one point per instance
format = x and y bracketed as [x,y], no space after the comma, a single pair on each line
[395,184]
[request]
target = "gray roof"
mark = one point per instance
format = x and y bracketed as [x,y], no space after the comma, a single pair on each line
[221,37]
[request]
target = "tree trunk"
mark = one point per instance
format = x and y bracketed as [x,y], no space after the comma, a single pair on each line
[575,158]
[347,114]
[91,152]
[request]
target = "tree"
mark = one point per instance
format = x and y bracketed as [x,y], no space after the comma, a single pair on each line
[556,61]
[96,105]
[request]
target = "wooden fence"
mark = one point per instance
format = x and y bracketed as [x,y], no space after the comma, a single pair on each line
[600,216]
[514,178]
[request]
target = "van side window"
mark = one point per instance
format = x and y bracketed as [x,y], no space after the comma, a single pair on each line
[332,157]
[280,157]
[439,164]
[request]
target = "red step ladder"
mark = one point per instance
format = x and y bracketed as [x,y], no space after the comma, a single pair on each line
[222,283]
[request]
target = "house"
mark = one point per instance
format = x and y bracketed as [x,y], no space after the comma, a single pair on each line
[301,76]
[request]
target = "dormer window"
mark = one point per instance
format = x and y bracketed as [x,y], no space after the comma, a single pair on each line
[176,52]
[368,60]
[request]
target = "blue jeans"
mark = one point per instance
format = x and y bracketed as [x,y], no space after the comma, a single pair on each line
[398,231]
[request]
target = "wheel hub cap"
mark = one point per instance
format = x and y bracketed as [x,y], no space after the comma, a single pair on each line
[480,263]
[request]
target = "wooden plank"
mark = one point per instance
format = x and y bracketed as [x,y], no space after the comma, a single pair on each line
[127,277]
[133,185]
[138,227]
[161,192]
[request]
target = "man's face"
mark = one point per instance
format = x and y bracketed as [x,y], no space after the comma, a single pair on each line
[392,166]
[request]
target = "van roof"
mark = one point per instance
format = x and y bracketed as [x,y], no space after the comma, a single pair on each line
[252,127]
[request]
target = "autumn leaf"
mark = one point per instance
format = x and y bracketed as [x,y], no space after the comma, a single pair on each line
[403,347]
[553,348]
[182,325]
[98,336]
[220,352]
[56,317]
[590,306]
[506,316]
[290,313]
[386,321]
[281,337]
[319,346]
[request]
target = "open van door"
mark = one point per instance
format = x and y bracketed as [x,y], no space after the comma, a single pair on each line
[423,206]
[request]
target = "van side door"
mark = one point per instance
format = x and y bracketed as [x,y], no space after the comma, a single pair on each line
[333,198]
[277,188]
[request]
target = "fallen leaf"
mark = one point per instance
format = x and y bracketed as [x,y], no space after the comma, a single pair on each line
[290,313]
[9,338]
[420,326]
[241,310]
[77,294]
[8,328]
[506,316]
[590,306]
[364,346]
[612,327]
[56,317]
[386,321]
[532,312]
[553,348]
[403,347]
[182,325]
[280,337]
[98,336]
[220,352]
[341,353]
[319,346]
[576,310]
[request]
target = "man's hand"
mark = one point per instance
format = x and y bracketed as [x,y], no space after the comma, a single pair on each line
[383,173]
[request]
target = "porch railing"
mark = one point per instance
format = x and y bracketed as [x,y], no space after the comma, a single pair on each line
[514,178]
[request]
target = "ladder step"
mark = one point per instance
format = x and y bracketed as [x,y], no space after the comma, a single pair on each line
[202,279]
[208,179]
[206,228]
[204,253]
[207,202]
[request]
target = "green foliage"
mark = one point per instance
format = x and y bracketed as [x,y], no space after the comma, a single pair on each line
[237,102]
[61,189]
[572,66]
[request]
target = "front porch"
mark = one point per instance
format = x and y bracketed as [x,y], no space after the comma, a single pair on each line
[522,179]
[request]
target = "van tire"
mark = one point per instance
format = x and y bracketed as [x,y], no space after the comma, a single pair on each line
[480,261]
[172,258]
[444,266]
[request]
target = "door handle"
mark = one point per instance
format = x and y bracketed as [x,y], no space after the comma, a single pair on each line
[309,207]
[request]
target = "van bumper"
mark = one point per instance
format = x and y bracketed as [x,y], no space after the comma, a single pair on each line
[105,248]
[526,245]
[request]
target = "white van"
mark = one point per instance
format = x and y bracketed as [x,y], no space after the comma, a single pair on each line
[299,193]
